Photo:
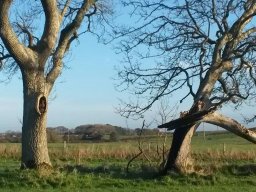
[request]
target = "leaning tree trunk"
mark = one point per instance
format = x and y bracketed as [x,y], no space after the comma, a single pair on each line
[34,138]
[179,158]
[179,155]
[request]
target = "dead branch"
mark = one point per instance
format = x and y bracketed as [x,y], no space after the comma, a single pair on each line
[141,151]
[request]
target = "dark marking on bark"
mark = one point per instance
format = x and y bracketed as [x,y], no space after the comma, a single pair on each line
[188,120]
[28,165]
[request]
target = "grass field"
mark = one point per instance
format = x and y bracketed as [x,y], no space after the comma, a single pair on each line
[224,162]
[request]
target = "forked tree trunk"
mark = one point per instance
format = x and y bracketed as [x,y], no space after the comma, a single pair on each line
[34,138]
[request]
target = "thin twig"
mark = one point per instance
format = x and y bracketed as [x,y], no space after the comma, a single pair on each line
[140,149]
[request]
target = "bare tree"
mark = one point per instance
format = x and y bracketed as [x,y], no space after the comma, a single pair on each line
[38,52]
[204,48]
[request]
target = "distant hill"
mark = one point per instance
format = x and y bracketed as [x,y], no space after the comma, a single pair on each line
[103,129]
[59,129]
[93,129]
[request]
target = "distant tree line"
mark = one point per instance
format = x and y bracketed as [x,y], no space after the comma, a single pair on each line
[83,133]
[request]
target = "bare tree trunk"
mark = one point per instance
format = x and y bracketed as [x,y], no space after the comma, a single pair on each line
[179,158]
[34,138]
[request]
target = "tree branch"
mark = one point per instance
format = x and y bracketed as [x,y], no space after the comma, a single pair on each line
[19,52]
[28,33]
[230,125]
[66,37]
[51,29]
[64,10]
[188,120]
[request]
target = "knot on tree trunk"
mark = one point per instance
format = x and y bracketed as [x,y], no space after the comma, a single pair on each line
[227,65]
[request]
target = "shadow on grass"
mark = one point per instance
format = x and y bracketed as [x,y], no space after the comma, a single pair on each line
[116,171]
[146,172]
[138,175]
[240,170]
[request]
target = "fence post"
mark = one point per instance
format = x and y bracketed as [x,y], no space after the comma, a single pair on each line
[224,148]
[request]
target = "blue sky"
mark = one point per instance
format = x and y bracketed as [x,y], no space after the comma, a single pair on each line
[84,94]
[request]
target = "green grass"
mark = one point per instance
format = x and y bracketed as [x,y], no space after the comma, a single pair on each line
[101,167]
[111,177]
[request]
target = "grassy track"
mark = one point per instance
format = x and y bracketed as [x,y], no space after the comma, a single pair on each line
[224,163]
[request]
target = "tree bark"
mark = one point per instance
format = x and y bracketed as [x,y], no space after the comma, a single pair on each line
[179,159]
[34,138]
